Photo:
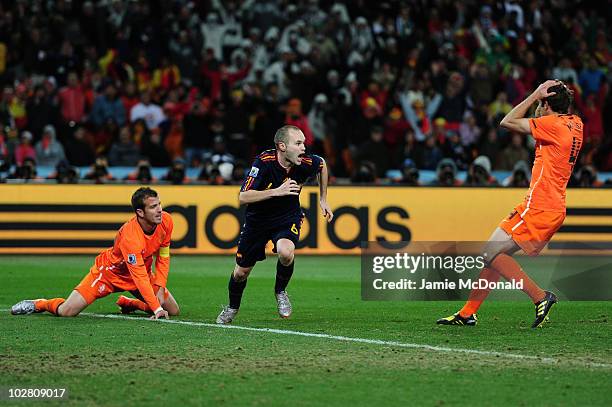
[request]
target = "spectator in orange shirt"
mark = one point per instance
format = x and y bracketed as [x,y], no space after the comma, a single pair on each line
[125,267]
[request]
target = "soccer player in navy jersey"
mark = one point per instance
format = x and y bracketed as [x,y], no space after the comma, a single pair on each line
[271,192]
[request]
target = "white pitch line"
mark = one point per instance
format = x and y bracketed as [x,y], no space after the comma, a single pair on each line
[338,338]
[346,339]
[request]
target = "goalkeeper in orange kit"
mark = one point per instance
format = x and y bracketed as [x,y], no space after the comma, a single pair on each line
[125,267]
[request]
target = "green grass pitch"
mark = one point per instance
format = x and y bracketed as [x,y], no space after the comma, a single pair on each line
[140,362]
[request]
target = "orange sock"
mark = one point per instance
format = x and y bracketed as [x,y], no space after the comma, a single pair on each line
[478,295]
[49,305]
[141,305]
[134,303]
[511,270]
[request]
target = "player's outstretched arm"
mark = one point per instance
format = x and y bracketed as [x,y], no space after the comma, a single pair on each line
[323,179]
[289,187]
[515,119]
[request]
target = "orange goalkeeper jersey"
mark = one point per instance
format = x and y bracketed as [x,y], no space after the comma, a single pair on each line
[558,142]
[129,260]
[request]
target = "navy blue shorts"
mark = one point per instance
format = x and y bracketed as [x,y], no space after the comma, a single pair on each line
[253,241]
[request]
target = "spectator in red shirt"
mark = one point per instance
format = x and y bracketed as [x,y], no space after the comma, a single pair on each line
[395,128]
[24,149]
[375,92]
[217,72]
[72,100]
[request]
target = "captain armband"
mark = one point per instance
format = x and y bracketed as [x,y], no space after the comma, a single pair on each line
[164,251]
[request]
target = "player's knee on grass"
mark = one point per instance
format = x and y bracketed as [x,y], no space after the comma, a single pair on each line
[171,306]
[68,310]
[172,309]
[74,304]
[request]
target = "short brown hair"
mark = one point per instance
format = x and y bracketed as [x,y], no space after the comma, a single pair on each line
[282,134]
[138,198]
[561,101]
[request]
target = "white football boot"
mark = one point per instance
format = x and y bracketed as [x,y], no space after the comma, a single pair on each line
[24,307]
[284,305]
[227,315]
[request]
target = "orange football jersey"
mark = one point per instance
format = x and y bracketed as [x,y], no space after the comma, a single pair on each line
[558,142]
[129,260]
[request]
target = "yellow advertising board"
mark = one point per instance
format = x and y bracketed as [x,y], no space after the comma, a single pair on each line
[84,218]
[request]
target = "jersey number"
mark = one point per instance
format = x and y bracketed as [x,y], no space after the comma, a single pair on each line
[576,145]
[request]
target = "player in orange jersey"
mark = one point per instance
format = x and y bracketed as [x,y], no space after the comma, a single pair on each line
[532,223]
[125,267]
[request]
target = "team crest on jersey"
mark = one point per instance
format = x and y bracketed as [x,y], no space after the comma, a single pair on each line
[101,288]
[254,171]
[131,259]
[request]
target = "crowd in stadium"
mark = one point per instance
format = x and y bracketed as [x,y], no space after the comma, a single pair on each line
[382,90]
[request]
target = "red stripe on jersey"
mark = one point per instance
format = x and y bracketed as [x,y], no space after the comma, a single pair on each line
[247,185]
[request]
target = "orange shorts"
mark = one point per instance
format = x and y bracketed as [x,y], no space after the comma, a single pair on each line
[531,228]
[98,284]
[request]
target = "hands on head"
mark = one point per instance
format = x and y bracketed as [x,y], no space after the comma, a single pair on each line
[542,90]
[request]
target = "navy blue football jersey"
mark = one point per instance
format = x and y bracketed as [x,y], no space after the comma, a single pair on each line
[267,173]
